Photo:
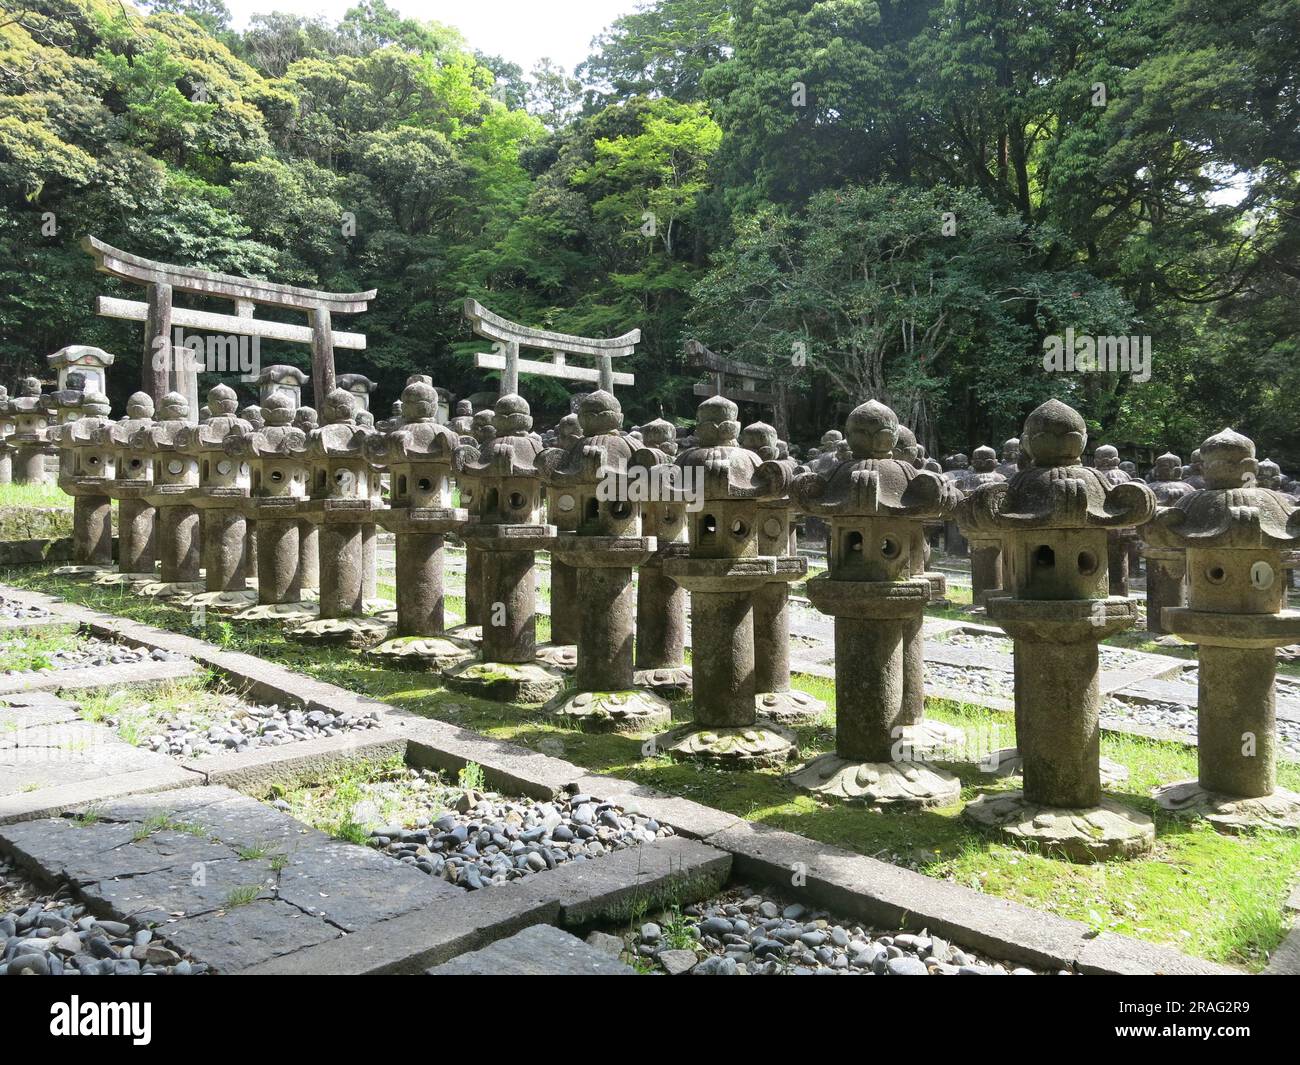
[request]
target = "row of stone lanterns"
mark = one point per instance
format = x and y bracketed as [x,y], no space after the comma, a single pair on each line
[1053,526]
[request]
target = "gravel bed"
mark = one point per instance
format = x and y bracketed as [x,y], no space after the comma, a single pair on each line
[478,840]
[1179,717]
[50,935]
[92,651]
[993,682]
[12,610]
[745,933]
[245,726]
[1111,657]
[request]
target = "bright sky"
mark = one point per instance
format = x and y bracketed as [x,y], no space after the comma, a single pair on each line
[522,31]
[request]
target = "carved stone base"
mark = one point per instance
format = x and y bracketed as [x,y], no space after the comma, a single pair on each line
[279,612]
[421,652]
[558,656]
[171,590]
[505,682]
[752,746]
[673,680]
[1279,811]
[897,785]
[114,579]
[357,633]
[624,711]
[381,608]
[1099,833]
[82,573]
[932,741]
[221,602]
[1008,763]
[470,634]
[789,708]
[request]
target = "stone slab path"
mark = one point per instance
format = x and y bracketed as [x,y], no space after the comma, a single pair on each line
[223,878]
[49,755]
[541,950]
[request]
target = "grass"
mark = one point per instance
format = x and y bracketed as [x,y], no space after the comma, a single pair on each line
[1215,896]
[330,804]
[34,495]
[27,651]
[138,713]
[242,896]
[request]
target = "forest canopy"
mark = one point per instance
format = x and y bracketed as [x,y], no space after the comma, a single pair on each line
[897,200]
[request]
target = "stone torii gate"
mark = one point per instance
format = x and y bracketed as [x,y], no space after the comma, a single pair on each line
[509,337]
[758,384]
[160,375]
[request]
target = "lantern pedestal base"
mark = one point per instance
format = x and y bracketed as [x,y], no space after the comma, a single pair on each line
[1279,812]
[421,652]
[620,711]
[753,746]
[505,682]
[1098,833]
[898,785]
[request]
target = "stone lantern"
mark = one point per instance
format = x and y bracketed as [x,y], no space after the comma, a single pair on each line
[775,699]
[1270,476]
[603,545]
[87,469]
[1053,521]
[343,499]
[660,657]
[462,423]
[722,572]
[1192,471]
[420,456]
[502,492]
[306,419]
[285,380]
[1166,566]
[221,499]
[359,386]
[1118,541]
[136,516]
[873,588]
[89,364]
[65,402]
[6,431]
[278,483]
[1009,461]
[985,554]
[1234,533]
[483,433]
[956,471]
[910,451]
[174,483]
[30,441]
[566,610]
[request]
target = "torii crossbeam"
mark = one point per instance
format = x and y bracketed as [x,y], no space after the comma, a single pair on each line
[511,336]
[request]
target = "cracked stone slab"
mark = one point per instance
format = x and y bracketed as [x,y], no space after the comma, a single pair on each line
[85,678]
[375,887]
[227,879]
[230,940]
[542,950]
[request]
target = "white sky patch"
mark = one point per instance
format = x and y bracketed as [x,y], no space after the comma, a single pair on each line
[522,31]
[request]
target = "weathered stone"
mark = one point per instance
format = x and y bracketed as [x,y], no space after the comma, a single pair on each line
[588,482]
[1053,520]
[722,572]
[542,950]
[875,504]
[1100,832]
[1234,533]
